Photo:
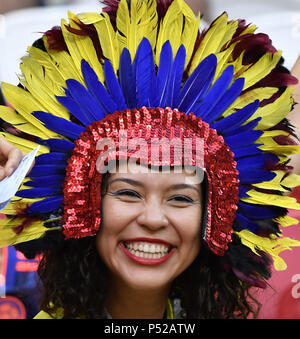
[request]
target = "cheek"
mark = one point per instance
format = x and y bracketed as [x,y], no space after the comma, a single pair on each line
[117,213]
[109,229]
[189,231]
[115,218]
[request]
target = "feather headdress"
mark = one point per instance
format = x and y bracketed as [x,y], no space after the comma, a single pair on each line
[137,56]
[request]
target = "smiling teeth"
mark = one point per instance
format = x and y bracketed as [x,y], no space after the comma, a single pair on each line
[147,255]
[146,250]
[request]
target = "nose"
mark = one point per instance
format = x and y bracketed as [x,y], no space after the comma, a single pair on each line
[153,216]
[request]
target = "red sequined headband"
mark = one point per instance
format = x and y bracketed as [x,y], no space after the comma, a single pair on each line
[82,187]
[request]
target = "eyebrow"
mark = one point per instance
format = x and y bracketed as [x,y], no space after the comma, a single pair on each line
[139,184]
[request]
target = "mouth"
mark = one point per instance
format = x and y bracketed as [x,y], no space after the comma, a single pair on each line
[147,252]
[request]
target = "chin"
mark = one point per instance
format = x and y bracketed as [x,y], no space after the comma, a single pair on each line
[148,283]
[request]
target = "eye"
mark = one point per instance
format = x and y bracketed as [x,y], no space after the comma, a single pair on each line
[182,198]
[126,193]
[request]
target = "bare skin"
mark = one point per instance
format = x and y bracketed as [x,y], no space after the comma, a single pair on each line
[10,158]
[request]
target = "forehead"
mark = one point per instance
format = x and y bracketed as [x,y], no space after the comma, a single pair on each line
[158,175]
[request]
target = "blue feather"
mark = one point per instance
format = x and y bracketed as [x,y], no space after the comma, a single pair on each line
[57,145]
[255,176]
[144,70]
[59,125]
[247,151]
[244,223]
[113,86]
[158,91]
[175,78]
[242,139]
[72,106]
[38,192]
[256,212]
[257,161]
[85,100]
[197,84]
[236,119]
[46,205]
[241,129]
[103,103]
[46,181]
[227,99]
[45,170]
[127,79]
[51,158]
[215,93]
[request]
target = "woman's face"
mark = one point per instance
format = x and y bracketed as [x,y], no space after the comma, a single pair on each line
[151,227]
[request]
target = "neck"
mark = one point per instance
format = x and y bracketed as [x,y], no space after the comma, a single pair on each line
[125,302]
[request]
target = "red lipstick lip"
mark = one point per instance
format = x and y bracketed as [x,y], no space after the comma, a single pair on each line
[146,261]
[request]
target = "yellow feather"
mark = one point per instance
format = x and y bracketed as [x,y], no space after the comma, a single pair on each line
[261,68]
[9,237]
[271,199]
[24,145]
[287,221]
[270,145]
[190,31]
[63,66]
[283,158]
[281,149]
[273,113]
[230,30]
[25,104]
[239,68]
[107,36]
[274,133]
[42,90]
[151,25]
[135,24]
[243,100]
[44,59]
[249,30]
[90,18]
[123,25]
[211,41]
[291,181]
[224,53]
[10,116]
[273,246]
[170,29]
[70,40]
[223,60]
[54,83]
[86,49]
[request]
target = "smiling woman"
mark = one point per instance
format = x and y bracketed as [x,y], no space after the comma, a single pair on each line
[149,237]
[162,174]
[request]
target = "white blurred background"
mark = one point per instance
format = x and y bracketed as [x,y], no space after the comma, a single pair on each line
[19,28]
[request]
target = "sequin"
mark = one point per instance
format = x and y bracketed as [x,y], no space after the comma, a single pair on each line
[82,195]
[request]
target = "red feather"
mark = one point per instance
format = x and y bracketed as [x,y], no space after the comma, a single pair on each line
[56,40]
